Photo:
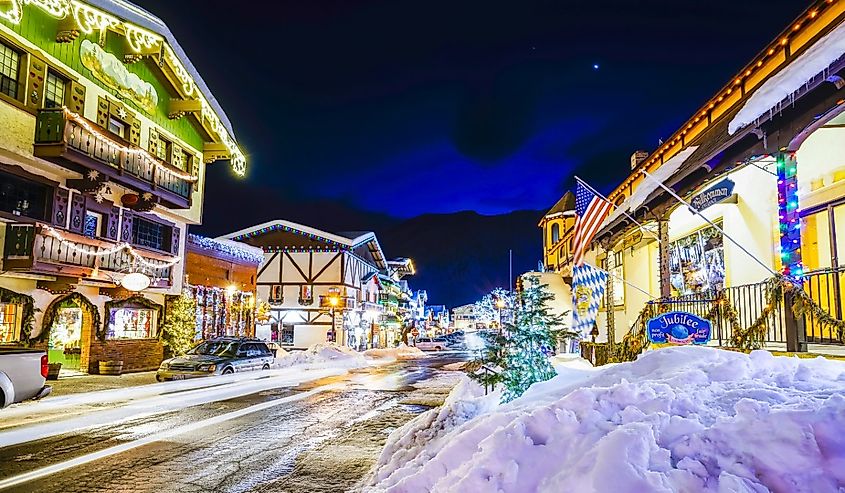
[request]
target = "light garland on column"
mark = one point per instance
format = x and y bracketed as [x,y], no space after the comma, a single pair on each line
[103,253]
[82,122]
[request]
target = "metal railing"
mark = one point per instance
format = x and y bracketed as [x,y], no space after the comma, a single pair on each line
[54,127]
[825,288]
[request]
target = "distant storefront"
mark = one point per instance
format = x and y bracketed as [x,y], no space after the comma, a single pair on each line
[221,279]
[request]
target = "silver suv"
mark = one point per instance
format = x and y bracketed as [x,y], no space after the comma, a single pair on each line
[220,356]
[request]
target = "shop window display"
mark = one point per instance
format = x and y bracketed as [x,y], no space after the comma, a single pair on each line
[9,323]
[133,323]
[65,337]
[697,262]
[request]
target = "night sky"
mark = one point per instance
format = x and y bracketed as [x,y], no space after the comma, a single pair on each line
[351,111]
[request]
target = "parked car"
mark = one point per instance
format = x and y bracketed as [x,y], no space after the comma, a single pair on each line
[219,356]
[23,373]
[432,344]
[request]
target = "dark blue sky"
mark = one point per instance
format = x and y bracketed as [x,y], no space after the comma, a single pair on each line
[402,108]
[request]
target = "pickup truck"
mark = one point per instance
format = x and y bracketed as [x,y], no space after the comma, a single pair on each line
[23,373]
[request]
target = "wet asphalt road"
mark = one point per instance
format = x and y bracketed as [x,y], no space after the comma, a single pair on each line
[322,436]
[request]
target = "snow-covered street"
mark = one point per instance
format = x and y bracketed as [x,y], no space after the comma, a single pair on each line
[318,428]
[677,419]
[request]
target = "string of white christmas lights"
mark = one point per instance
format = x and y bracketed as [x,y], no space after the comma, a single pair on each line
[102,253]
[82,122]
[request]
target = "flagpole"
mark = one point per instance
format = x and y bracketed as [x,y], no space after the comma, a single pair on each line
[641,290]
[642,228]
[711,223]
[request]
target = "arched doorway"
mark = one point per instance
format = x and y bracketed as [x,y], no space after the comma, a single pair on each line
[66,327]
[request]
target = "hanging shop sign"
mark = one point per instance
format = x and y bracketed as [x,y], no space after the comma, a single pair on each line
[713,195]
[678,328]
[135,281]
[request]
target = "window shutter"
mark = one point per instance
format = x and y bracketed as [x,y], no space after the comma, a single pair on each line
[177,157]
[60,198]
[134,129]
[153,147]
[77,213]
[112,223]
[35,82]
[126,227]
[174,236]
[75,97]
[102,112]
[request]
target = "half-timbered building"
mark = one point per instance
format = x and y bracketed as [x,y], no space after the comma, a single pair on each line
[321,286]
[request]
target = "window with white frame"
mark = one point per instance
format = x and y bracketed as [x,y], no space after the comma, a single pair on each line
[10,61]
[54,90]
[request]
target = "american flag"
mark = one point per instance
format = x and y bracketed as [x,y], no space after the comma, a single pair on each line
[591,210]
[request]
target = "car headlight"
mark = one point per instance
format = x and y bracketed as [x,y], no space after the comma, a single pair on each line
[164,365]
[208,368]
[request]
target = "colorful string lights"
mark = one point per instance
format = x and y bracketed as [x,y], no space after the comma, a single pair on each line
[788,218]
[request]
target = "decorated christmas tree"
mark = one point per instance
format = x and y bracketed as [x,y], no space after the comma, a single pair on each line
[180,326]
[530,339]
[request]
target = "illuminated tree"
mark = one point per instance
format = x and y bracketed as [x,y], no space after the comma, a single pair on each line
[180,326]
[530,339]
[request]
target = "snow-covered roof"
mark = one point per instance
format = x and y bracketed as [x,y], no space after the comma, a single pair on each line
[232,248]
[362,238]
[648,186]
[811,64]
[137,15]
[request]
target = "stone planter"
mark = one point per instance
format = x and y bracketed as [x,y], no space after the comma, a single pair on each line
[111,367]
[53,371]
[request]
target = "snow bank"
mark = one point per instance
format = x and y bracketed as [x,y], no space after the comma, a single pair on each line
[816,60]
[323,356]
[402,352]
[677,419]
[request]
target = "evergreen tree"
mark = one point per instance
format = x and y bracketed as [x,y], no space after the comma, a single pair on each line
[180,327]
[530,339]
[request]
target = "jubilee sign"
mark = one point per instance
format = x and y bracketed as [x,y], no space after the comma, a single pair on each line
[678,328]
[713,195]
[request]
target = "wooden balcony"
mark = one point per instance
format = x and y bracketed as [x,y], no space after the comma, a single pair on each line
[31,248]
[66,142]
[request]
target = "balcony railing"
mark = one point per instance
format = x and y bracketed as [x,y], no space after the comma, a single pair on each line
[30,248]
[66,141]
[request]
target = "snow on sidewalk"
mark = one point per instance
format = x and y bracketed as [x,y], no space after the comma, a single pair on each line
[677,419]
[402,352]
[323,356]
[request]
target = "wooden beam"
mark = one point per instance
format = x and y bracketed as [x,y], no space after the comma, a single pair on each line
[179,107]
[214,151]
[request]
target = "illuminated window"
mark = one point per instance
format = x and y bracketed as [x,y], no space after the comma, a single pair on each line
[10,327]
[133,323]
[9,67]
[54,91]
[306,294]
[555,233]
[93,222]
[697,262]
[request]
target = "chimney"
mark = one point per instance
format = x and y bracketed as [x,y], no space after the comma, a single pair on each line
[637,157]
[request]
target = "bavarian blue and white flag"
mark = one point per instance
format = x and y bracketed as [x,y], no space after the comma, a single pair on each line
[588,285]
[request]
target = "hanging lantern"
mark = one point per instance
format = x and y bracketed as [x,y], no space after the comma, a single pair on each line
[135,281]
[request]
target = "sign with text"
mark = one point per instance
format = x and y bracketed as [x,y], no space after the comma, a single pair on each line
[713,195]
[678,328]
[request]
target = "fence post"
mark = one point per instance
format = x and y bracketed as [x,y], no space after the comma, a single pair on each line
[796,338]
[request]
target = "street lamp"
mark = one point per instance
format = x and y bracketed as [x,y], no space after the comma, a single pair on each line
[333,302]
[500,304]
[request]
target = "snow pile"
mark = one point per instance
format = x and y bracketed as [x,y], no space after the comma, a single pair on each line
[816,60]
[323,356]
[677,419]
[402,352]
